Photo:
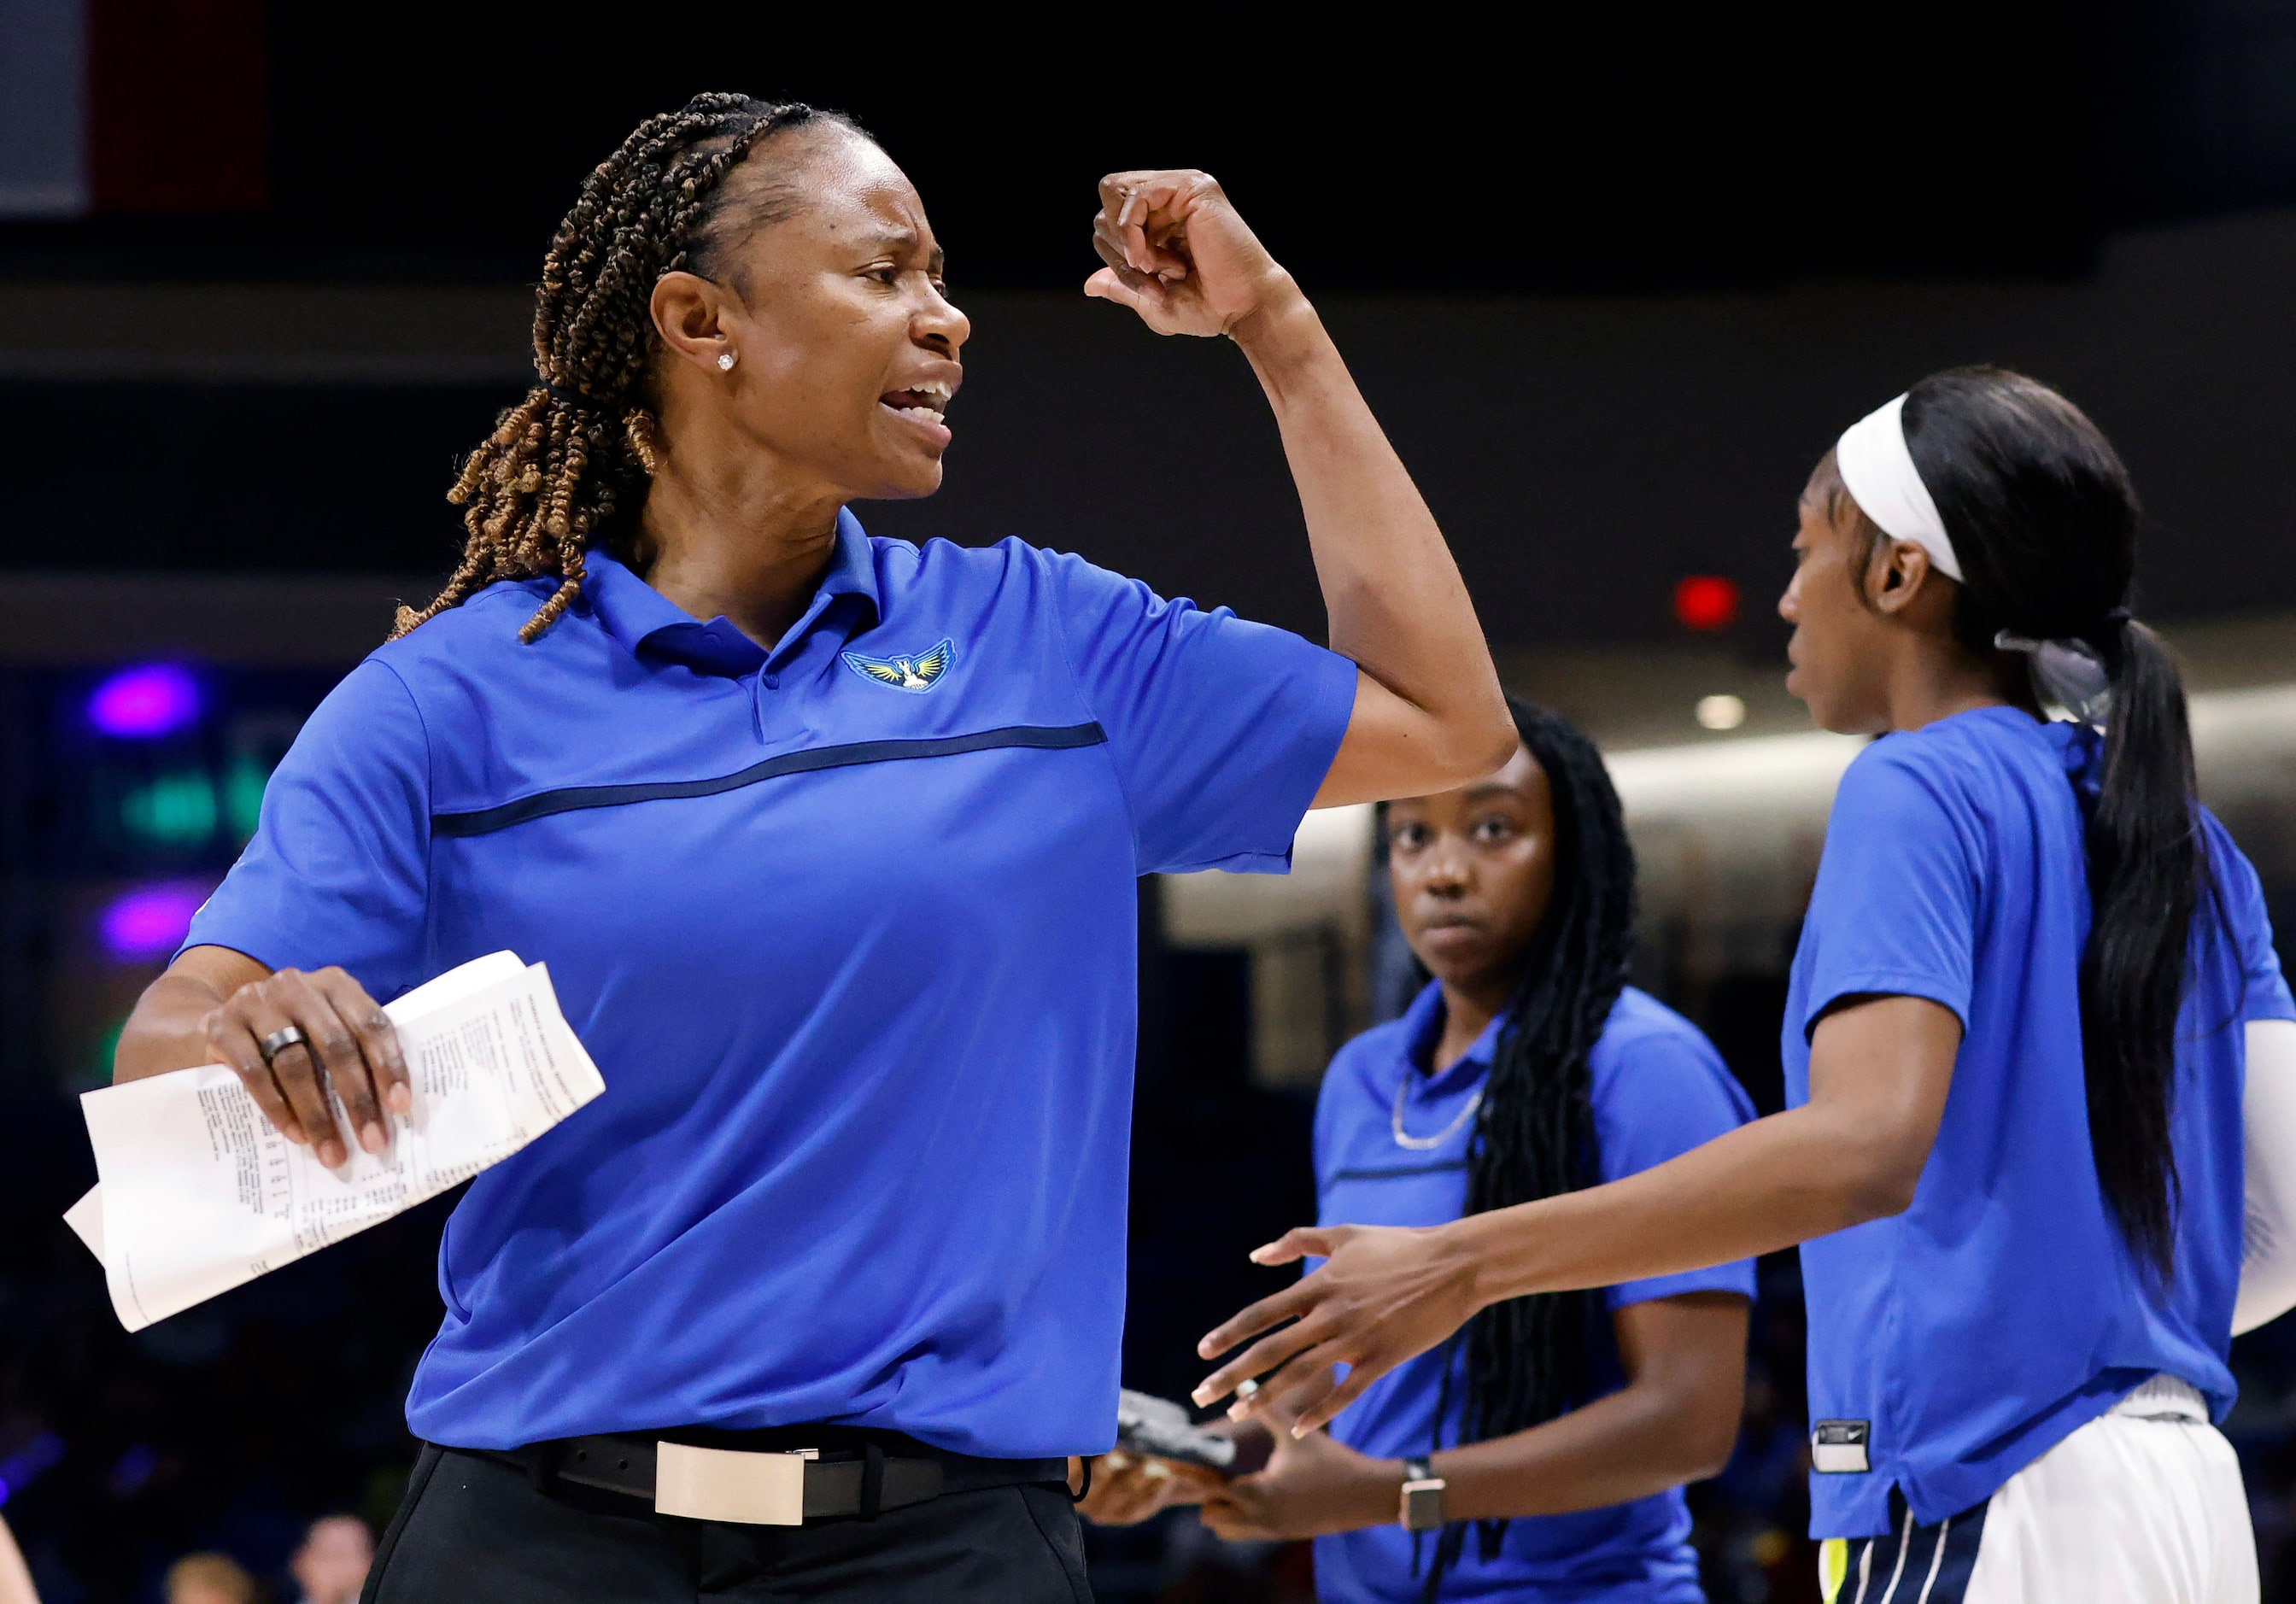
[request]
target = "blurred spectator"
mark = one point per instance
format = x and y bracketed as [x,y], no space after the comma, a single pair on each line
[15,1580]
[210,1579]
[331,1565]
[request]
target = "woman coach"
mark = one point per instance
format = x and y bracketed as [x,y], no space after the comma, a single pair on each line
[829,843]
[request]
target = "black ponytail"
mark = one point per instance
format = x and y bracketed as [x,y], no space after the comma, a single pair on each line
[2044,521]
[1527,1358]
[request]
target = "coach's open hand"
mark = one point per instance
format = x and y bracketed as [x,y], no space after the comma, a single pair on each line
[1384,1295]
[1178,254]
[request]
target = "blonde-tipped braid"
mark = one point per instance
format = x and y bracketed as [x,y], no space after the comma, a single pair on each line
[560,466]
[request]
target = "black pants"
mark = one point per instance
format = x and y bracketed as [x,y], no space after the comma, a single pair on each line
[477,1529]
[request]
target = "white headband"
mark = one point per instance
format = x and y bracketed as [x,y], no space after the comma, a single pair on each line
[1878,472]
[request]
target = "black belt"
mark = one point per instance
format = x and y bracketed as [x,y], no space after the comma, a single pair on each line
[843,1470]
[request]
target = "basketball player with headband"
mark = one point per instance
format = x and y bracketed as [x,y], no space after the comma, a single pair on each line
[2040,1061]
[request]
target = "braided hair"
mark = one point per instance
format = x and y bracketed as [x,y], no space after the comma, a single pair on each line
[1527,1358]
[567,467]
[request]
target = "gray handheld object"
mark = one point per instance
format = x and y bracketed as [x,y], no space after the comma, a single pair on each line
[1159,1428]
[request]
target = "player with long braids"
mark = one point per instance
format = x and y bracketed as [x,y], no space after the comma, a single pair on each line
[831,843]
[2039,1052]
[1562,1425]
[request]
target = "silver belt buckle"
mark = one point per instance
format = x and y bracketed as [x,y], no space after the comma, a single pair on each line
[717,1484]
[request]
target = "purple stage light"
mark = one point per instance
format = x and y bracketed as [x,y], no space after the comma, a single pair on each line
[23,1466]
[157,698]
[151,921]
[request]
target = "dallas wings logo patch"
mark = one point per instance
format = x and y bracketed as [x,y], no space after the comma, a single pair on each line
[918,674]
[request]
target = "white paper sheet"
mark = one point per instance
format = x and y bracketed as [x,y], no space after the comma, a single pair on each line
[197,1193]
[86,1217]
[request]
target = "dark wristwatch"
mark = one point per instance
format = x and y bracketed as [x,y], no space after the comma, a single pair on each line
[1423,1496]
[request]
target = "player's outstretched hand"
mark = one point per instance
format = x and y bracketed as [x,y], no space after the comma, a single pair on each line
[1384,1295]
[1179,256]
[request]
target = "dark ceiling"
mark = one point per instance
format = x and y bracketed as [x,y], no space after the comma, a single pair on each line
[1979,169]
[1628,146]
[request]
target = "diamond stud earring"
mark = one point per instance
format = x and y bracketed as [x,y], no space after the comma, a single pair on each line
[725,362]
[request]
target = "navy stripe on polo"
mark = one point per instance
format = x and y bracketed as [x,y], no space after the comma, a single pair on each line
[484,821]
[848,926]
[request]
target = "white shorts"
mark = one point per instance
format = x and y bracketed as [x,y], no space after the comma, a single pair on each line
[2141,1506]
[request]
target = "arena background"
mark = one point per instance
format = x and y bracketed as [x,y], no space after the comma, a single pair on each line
[1613,284]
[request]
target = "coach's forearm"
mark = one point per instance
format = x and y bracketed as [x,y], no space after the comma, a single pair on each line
[1768,1185]
[1395,603]
[169,1029]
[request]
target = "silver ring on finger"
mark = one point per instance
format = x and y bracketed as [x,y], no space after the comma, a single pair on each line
[282,1039]
[1246,1389]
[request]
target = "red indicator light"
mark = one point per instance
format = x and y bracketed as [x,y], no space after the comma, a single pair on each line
[1706,602]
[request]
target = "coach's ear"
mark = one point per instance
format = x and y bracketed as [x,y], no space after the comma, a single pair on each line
[686,308]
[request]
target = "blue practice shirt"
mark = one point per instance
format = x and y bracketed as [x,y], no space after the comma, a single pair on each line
[849,928]
[2002,1311]
[1659,1089]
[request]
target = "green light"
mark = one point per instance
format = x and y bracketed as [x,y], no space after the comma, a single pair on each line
[175,810]
[98,1071]
[243,796]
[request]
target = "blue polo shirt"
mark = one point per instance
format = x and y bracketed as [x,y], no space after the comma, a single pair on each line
[1658,1088]
[2002,1311]
[849,927]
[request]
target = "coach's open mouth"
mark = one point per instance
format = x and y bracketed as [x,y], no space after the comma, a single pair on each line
[925,404]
